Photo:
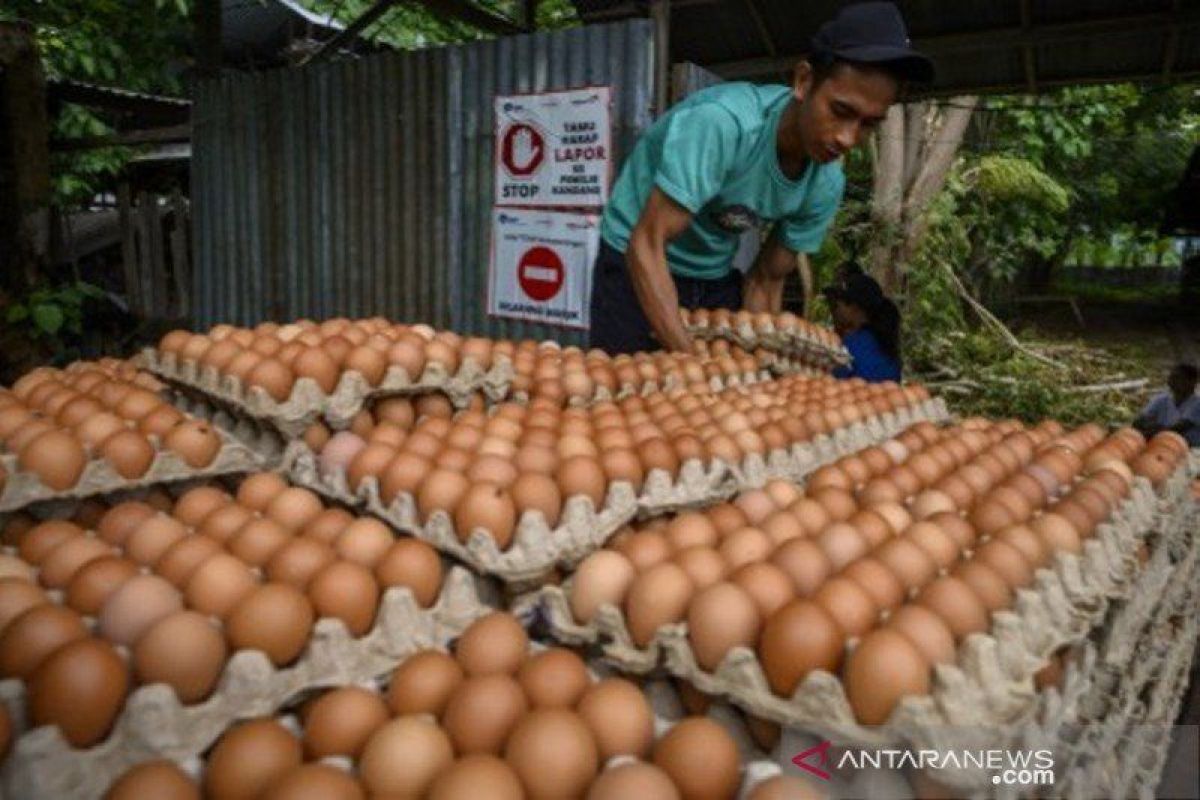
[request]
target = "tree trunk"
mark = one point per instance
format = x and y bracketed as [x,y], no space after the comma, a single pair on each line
[916,148]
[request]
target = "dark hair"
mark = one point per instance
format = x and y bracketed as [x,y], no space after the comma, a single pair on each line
[884,322]
[1188,371]
[825,65]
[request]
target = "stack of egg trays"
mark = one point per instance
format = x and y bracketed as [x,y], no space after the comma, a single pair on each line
[536,550]
[716,383]
[23,489]
[308,403]
[990,688]
[787,344]
[154,724]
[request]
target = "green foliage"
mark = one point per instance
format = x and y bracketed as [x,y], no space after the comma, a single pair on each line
[53,313]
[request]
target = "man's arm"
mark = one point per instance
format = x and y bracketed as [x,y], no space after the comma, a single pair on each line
[763,290]
[806,284]
[662,220]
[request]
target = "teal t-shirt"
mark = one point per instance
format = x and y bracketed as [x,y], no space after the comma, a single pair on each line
[714,154]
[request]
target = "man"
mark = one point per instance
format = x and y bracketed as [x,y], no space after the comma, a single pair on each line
[730,158]
[1177,409]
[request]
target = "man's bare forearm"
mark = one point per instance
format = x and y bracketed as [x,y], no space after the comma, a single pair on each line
[656,292]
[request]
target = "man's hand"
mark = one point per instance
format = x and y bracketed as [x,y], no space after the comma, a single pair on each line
[662,220]
[763,290]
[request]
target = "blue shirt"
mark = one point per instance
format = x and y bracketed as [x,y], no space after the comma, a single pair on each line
[715,155]
[869,362]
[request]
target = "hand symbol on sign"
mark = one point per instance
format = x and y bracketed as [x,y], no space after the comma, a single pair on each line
[524,149]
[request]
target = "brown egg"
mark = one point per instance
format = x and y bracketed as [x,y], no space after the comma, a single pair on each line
[316,782]
[30,637]
[644,548]
[927,631]
[885,668]
[442,490]
[908,562]
[744,546]
[195,504]
[553,753]
[553,678]
[986,583]
[583,476]
[194,441]
[55,457]
[726,518]
[43,538]
[851,606]
[258,541]
[935,542]
[414,564]
[218,585]
[80,688]
[894,514]
[493,643]
[250,758]
[298,561]
[489,508]
[341,721]
[1028,542]
[274,618]
[424,683]
[633,779]
[482,713]
[786,787]
[224,522]
[17,596]
[955,602]
[656,597]
[719,618]
[877,581]
[135,606]
[404,756]
[797,639]
[71,555]
[619,717]
[474,776]
[701,759]
[129,452]
[258,490]
[535,492]
[159,779]
[842,544]
[805,563]
[294,507]
[1007,562]
[768,586]
[602,578]
[1056,533]
[328,525]
[184,650]
[153,537]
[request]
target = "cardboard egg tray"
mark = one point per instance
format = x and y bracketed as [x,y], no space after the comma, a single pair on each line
[990,685]
[716,383]
[153,723]
[307,403]
[537,550]
[787,343]
[23,488]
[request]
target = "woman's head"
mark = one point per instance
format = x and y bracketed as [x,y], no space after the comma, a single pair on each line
[859,302]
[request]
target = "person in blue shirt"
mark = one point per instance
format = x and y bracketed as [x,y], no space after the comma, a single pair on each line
[731,159]
[869,324]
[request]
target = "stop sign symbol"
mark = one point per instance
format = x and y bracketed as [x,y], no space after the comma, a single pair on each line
[522,150]
[540,273]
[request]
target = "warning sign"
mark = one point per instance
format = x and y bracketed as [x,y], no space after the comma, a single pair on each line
[554,149]
[541,266]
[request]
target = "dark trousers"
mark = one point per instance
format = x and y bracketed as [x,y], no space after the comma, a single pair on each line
[618,323]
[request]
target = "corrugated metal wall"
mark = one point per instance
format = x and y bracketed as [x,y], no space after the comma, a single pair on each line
[364,187]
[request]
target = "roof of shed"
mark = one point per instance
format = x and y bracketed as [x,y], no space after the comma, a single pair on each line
[977,45]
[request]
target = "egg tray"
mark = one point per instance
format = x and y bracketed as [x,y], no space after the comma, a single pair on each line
[537,550]
[24,488]
[716,383]
[749,338]
[153,723]
[990,686]
[308,403]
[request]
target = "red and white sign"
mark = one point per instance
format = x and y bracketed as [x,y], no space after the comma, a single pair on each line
[554,149]
[541,266]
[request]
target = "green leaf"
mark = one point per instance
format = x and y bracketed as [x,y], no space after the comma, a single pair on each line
[48,318]
[18,312]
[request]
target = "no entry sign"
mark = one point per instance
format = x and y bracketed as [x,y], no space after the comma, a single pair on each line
[541,266]
[554,149]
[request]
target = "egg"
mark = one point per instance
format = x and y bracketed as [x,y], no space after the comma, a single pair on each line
[218,585]
[602,578]
[786,787]
[65,560]
[1027,542]
[224,522]
[1057,534]
[316,782]
[482,712]
[328,525]
[38,542]
[294,507]
[701,759]
[988,586]
[55,457]
[910,563]
[258,490]
[619,718]
[489,508]
[805,563]
[851,606]
[184,650]
[195,504]
[927,631]
[129,452]
[883,669]
[876,580]
[633,779]
[536,492]
[935,542]
[583,476]
[194,441]
[80,688]
[274,618]
[34,634]
[1007,562]
[475,776]
[441,490]
[160,778]
[656,597]
[553,753]
[719,618]
[768,586]
[250,758]
[796,640]
[414,564]
[553,678]
[258,541]
[346,591]
[493,643]
[153,537]
[342,721]
[17,596]
[954,601]
[424,683]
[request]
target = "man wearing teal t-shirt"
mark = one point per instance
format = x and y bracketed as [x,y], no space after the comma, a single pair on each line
[730,158]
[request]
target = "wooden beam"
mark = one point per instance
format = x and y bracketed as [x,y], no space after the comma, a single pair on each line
[660,12]
[761,23]
[473,15]
[1028,55]
[206,37]
[971,41]
[350,32]
[638,8]
[173,133]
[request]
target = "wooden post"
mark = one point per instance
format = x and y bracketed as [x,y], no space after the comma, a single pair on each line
[180,269]
[660,12]
[133,289]
[206,28]
[158,266]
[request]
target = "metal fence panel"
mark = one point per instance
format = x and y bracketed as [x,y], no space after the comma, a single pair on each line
[365,187]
